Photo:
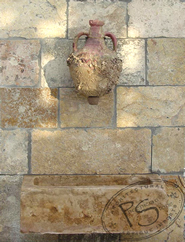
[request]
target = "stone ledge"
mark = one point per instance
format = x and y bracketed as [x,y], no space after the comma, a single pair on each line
[81,204]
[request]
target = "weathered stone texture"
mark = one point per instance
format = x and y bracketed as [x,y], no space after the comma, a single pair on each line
[150,106]
[91,151]
[29,107]
[81,12]
[166,64]
[168,149]
[89,204]
[174,230]
[19,62]
[151,18]
[33,19]
[13,152]
[132,53]
[10,213]
[75,111]
[55,72]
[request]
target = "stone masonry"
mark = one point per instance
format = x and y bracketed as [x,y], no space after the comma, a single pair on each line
[47,128]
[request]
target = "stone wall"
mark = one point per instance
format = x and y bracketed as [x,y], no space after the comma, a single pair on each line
[46,128]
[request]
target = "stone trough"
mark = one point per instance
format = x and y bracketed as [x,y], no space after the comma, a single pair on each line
[134,205]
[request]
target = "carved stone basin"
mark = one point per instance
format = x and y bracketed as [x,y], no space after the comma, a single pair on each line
[78,204]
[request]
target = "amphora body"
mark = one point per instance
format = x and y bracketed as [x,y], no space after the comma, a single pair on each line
[95,69]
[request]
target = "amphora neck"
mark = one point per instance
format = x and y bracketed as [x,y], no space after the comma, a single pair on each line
[96,29]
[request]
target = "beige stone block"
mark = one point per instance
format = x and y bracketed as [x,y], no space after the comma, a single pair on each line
[13,151]
[173,231]
[166,61]
[33,19]
[29,107]
[75,111]
[168,150]
[91,151]
[10,213]
[81,12]
[19,62]
[151,18]
[94,204]
[150,106]
[132,54]
[55,72]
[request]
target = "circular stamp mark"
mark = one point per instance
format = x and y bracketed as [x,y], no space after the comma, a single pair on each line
[143,211]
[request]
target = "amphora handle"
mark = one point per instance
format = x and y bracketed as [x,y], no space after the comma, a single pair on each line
[114,40]
[75,43]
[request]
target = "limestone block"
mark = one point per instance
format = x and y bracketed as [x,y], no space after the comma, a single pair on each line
[10,213]
[29,107]
[151,18]
[150,106]
[81,12]
[13,152]
[55,72]
[168,150]
[33,19]
[94,204]
[91,151]
[166,61]
[132,53]
[75,111]
[173,232]
[19,62]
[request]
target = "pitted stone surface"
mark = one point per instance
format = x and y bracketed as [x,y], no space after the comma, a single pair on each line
[168,150]
[75,111]
[10,213]
[55,72]
[19,62]
[166,61]
[101,151]
[151,18]
[81,12]
[33,19]
[89,204]
[13,152]
[29,107]
[150,106]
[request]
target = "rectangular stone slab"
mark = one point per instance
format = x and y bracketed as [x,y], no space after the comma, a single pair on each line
[78,204]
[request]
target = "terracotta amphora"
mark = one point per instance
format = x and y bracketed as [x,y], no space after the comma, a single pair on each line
[95,69]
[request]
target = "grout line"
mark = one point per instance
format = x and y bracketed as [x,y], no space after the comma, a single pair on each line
[59,38]
[180,173]
[58,114]
[127,19]
[114,119]
[176,86]
[29,151]
[152,133]
[39,63]
[90,128]
[118,85]
[67,23]
[146,64]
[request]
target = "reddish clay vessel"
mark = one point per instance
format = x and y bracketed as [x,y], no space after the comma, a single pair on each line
[95,69]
